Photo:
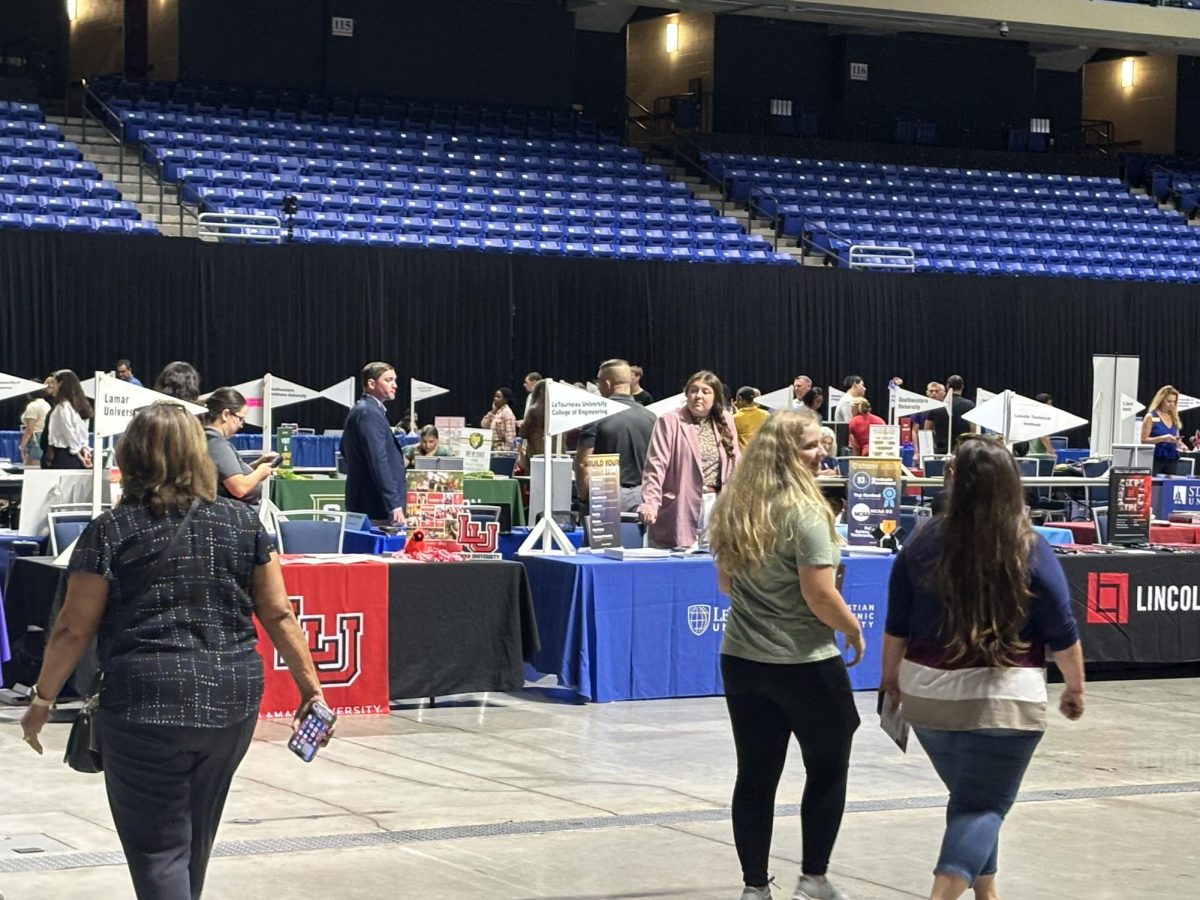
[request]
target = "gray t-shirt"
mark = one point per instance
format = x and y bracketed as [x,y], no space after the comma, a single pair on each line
[228,463]
[769,620]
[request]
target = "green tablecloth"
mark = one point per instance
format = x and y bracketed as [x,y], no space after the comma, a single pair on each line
[320,493]
[496,490]
[314,493]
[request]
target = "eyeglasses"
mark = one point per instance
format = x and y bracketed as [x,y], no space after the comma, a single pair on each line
[241,419]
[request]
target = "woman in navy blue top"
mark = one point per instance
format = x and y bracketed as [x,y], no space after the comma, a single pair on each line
[975,601]
[1160,427]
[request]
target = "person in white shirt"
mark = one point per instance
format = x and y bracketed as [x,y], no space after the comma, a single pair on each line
[67,445]
[33,423]
[854,387]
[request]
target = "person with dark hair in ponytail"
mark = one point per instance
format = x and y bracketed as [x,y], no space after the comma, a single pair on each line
[235,479]
[976,600]
[692,453]
[66,434]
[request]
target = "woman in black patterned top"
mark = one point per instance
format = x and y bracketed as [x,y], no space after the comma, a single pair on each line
[183,678]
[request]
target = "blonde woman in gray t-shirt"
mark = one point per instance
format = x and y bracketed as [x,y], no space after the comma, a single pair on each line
[777,554]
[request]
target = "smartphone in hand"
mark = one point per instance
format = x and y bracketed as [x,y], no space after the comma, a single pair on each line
[314,727]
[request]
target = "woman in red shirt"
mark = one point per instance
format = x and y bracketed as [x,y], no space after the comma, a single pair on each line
[860,426]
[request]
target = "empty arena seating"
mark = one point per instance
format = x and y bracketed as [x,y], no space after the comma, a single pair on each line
[412,174]
[46,184]
[967,220]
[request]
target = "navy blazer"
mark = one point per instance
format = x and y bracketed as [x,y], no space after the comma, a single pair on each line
[375,480]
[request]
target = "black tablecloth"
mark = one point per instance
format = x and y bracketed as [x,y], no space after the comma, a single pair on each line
[35,588]
[1137,608]
[457,628]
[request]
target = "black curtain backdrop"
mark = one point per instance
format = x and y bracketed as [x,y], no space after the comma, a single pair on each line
[472,322]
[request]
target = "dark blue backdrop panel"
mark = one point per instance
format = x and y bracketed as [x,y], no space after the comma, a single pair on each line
[653,628]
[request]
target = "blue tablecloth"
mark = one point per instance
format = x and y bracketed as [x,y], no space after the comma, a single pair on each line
[5,653]
[10,445]
[6,539]
[308,450]
[375,541]
[1072,454]
[1052,535]
[649,629]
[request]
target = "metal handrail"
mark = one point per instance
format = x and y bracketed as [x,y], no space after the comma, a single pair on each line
[874,258]
[253,228]
[184,210]
[773,219]
[808,243]
[697,164]
[119,139]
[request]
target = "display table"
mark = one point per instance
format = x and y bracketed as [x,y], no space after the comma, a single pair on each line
[8,538]
[10,445]
[1073,454]
[308,493]
[322,493]
[647,629]
[1081,532]
[376,541]
[1174,533]
[32,587]
[309,451]
[458,628]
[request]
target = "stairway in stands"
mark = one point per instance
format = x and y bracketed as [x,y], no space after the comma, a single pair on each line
[100,148]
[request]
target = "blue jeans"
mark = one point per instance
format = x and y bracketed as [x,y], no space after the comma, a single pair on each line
[982,769]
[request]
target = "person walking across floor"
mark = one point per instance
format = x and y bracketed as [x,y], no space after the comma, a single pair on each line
[1160,427]
[976,600]
[691,456]
[66,435]
[777,553]
[170,580]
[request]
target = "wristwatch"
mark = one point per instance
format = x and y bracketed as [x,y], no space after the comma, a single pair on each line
[36,698]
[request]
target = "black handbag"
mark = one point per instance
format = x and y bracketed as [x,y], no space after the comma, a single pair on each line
[83,744]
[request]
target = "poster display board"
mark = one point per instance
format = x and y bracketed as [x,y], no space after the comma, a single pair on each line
[604,500]
[873,501]
[433,503]
[884,441]
[1129,505]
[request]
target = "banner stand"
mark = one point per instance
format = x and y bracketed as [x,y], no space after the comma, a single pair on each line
[553,539]
[98,470]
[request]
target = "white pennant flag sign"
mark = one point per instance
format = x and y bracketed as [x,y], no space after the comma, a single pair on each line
[117,401]
[835,397]
[285,393]
[784,398]
[1131,406]
[12,386]
[1027,418]
[983,395]
[572,407]
[908,403]
[341,393]
[1186,403]
[423,390]
[89,385]
[667,404]
[253,392]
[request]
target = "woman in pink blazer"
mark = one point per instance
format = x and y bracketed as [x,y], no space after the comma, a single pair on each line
[691,456]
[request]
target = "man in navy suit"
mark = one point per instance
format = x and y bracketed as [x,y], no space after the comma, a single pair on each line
[375,480]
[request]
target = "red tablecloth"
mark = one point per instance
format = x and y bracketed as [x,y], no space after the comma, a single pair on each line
[1084,532]
[343,611]
[1162,533]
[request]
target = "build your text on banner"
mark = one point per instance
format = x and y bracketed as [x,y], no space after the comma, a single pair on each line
[873,501]
[343,611]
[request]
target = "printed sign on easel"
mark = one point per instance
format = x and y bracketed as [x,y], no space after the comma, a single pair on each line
[604,500]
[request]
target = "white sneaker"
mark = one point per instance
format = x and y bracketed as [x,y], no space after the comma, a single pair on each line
[809,888]
[748,893]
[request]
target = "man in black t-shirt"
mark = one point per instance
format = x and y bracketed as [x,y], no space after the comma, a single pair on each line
[627,433]
[636,391]
[938,420]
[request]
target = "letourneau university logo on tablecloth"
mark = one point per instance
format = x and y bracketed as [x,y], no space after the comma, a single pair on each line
[704,617]
[337,654]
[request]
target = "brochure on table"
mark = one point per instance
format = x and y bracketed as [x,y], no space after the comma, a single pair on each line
[604,500]
[474,445]
[873,491]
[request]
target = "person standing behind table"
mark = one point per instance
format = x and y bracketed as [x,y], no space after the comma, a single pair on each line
[529,383]
[124,370]
[501,419]
[777,553]
[801,388]
[626,433]
[66,434]
[532,429]
[859,427]
[935,390]
[692,454]
[1160,427]
[748,416]
[945,438]
[375,481]
[640,394]
[179,379]
[33,423]
[976,598]
[183,679]
[428,445]
[235,479]
[853,387]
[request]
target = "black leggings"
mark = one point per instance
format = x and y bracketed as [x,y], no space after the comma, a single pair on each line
[768,703]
